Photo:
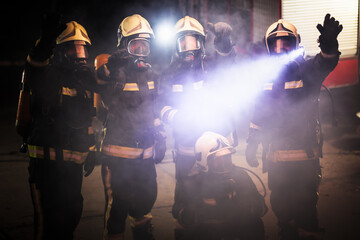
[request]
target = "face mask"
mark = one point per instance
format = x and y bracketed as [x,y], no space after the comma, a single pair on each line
[188,43]
[281,45]
[77,50]
[139,47]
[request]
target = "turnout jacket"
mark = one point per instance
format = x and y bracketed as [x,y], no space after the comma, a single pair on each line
[188,104]
[286,113]
[129,96]
[61,108]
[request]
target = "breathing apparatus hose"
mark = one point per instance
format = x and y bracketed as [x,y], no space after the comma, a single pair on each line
[257,176]
[334,120]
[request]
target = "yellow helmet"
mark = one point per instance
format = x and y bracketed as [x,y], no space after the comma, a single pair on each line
[73,32]
[134,25]
[189,24]
[279,29]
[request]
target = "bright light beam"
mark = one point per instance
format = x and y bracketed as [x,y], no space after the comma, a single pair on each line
[164,33]
[238,85]
[232,89]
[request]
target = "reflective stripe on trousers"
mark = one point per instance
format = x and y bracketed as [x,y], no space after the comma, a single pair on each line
[127,152]
[67,155]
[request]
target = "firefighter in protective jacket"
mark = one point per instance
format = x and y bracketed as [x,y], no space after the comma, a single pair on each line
[184,108]
[134,139]
[61,87]
[286,122]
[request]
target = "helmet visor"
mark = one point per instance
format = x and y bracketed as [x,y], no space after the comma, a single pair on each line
[76,50]
[279,45]
[188,43]
[139,47]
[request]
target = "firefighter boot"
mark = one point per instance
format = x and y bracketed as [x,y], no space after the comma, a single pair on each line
[143,231]
[182,234]
[288,230]
[311,235]
[119,236]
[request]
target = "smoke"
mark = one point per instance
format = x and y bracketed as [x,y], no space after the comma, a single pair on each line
[232,89]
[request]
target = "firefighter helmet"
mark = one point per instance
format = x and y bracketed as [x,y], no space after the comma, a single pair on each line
[215,151]
[73,32]
[72,44]
[282,30]
[190,35]
[134,26]
[189,24]
[190,40]
[211,145]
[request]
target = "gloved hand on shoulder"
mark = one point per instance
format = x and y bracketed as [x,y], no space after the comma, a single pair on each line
[222,32]
[118,59]
[329,32]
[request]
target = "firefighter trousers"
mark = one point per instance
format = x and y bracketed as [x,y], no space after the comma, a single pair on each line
[294,195]
[56,195]
[130,190]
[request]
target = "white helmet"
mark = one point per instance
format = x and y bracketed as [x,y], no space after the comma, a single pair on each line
[210,145]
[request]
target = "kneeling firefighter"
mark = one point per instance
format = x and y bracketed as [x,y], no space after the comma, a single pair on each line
[225,203]
[59,135]
[135,138]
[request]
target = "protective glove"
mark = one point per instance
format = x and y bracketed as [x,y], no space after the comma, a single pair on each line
[250,154]
[222,32]
[160,143]
[51,27]
[89,164]
[253,141]
[160,150]
[328,35]
[23,147]
[118,59]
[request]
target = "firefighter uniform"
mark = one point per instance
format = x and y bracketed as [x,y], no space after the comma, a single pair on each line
[225,201]
[184,103]
[286,122]
[128,169]
[60,132]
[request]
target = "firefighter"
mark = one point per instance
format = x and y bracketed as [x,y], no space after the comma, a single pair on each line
[61,86]
[286,122]
[134,139]
[184,106]
[226,203]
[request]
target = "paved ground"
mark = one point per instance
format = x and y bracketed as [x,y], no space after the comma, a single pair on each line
[339,208]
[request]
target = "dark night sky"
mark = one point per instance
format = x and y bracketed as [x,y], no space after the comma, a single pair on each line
[21,22]
[101,18]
